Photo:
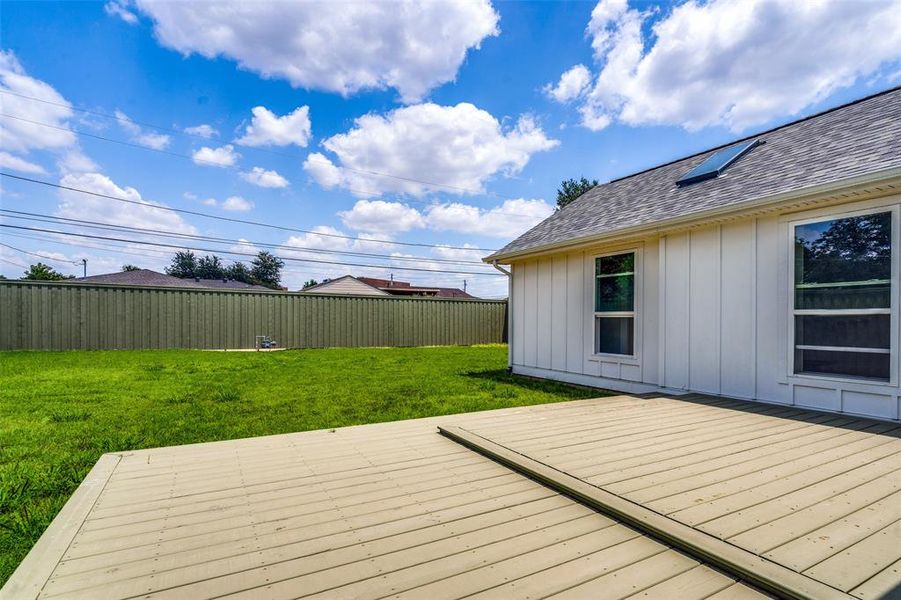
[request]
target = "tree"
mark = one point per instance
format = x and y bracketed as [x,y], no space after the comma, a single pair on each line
[239,272]
[266,269]
[571,189]
[183,265]
[209,267]
[126,268]
[310,283]
[42,272]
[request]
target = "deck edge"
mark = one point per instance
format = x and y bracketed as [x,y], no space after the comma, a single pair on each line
[741,564]
[37,567]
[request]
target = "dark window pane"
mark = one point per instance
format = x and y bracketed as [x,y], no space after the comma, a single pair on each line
[844,263]
[615,294]
[859,331]
[843,297]
[853,364]
[614,335]
[612,265]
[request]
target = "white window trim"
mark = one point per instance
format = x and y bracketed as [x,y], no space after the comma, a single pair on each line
[635,313]
[824,215]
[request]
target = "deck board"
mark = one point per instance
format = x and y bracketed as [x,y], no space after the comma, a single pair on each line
[370,511]
[814,492]
[397,510]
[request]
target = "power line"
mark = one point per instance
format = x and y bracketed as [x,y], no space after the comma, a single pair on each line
[236,253]
[148,204]
[50,258]
[284,154]
[156,253]
[12,262]
[117,249]
[16,214]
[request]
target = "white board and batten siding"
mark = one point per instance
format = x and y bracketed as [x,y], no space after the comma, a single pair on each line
[712,315]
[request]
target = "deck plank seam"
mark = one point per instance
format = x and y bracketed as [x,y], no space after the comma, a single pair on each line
[825,499]
[742,564]
[364,540]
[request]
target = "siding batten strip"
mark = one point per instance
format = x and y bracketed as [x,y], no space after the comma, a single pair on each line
[733,560]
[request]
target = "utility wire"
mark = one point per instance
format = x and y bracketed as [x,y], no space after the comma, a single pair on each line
[284,154]
[146,251]
[233,252]
[12,262]
[50,258]
[148,204]
[16,214]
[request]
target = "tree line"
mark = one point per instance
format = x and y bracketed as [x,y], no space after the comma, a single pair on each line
[265,269]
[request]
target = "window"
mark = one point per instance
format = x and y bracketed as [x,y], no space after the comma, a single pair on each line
[717,162]
[843,297]
[614,304]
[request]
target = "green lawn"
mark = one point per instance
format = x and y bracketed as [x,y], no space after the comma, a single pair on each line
[59,411]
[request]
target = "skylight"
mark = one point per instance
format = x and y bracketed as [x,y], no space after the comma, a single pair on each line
[717,162]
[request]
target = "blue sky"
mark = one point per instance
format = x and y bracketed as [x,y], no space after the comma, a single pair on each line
[471,113]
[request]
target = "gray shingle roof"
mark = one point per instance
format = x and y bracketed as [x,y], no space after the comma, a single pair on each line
[852,140]
[153,278]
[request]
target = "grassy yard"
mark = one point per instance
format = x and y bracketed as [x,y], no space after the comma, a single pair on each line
[59,411]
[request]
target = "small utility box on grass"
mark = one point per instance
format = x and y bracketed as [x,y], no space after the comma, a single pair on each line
[264,342]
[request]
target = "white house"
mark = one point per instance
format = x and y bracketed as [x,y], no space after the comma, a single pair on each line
[767,269]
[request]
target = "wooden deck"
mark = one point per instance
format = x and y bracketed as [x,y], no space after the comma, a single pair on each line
[397,510]
[816,493]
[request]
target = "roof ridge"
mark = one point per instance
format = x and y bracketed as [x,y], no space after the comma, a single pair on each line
[760,133]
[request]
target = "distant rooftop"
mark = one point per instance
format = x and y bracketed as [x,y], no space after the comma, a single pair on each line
[156,279]
[404,288]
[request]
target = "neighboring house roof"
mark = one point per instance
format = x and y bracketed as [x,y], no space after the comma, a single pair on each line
[153,278]
[404,288]
[347,284]
[856,139]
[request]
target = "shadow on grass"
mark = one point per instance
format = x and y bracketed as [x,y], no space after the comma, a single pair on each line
[534,384]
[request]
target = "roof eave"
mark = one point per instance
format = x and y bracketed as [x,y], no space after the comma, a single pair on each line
[885,176]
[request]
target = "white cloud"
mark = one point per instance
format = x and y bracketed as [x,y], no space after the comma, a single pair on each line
[304,246]
[459,253]
[237,204]
[731,62]
[8,161]
[245,247]
[232,203]
[456,147]
[146,214]
[224,156]
[381,217]
[20,136]
[114,8]
[157,141]
[268,129]
[76,161]
[508,220]
[263,178]
[203,130]
[409,46]
[572,84]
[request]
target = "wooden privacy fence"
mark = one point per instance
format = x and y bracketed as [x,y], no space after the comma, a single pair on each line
[75,316]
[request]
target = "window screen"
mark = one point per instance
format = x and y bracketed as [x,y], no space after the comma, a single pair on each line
[842,296]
